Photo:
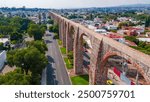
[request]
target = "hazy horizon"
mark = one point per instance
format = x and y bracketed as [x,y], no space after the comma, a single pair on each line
[59,4]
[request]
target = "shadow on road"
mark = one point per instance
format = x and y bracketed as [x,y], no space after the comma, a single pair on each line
[48,41]
[50,59]
[51,76]
[48,35]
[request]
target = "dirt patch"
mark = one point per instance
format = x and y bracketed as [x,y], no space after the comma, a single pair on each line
[7,69]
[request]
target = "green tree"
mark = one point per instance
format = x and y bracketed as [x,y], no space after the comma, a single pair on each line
[27,59]
[70,55]
[51,28]
[56,28]
[16,36]
[35,31]
[132,38]
[35,60]
[40,45]
[50,21]
[1,46]
[10,57]
[142,44]
[15,78]
[147,22]
[19,60]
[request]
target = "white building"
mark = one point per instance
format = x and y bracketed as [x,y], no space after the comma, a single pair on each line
[5,41]
[2,59]
[144,39]
[100,31]
[111,27]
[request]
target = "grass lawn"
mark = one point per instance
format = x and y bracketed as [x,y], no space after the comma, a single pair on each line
[80,80]
[63,50]
[68,64]
[59,42]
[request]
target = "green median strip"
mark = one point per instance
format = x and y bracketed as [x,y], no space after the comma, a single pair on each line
[80,80]
[63,50]
[59,42]
[68,65]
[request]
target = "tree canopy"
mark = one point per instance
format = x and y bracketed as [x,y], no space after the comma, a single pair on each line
[40,45]
[36,31]
[147,22]
[27,59]
[15,78]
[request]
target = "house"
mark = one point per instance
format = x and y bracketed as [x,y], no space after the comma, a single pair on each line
[133,31]
[2,58]
[116,37]
[100,31]
[144,39]
[111,27]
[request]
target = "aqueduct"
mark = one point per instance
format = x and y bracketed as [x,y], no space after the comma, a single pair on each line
[103,48]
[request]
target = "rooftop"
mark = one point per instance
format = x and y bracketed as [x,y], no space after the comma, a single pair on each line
[4,40]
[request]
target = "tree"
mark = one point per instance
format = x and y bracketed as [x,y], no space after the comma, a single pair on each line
[16,36]
[35,31]
[50,21]
[51,28]
[15,78]
[1,46]
[70,55]
[10,57]
[54,28]
[122,24]
[132,38]
[20,61]
[25,24]
[35,60]
[142,44]
[27,59]
[40,45]
[147,22]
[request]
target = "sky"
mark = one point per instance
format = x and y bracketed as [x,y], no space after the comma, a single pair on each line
[57,4]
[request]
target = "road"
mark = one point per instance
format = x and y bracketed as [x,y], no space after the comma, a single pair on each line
[44,77]
[56,73]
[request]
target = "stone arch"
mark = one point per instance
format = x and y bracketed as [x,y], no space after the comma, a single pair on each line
[103,69]
[64,34]
[78,58]
[70,38]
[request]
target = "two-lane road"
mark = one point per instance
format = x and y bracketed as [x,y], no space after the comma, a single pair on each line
[56,72]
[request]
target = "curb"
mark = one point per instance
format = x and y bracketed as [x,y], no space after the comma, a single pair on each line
[64,62]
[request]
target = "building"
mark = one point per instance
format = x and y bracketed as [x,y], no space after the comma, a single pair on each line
[100,31]
[133,31]
[5,41]
[2,58]
[111,27]
[116,37]
[144,39]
